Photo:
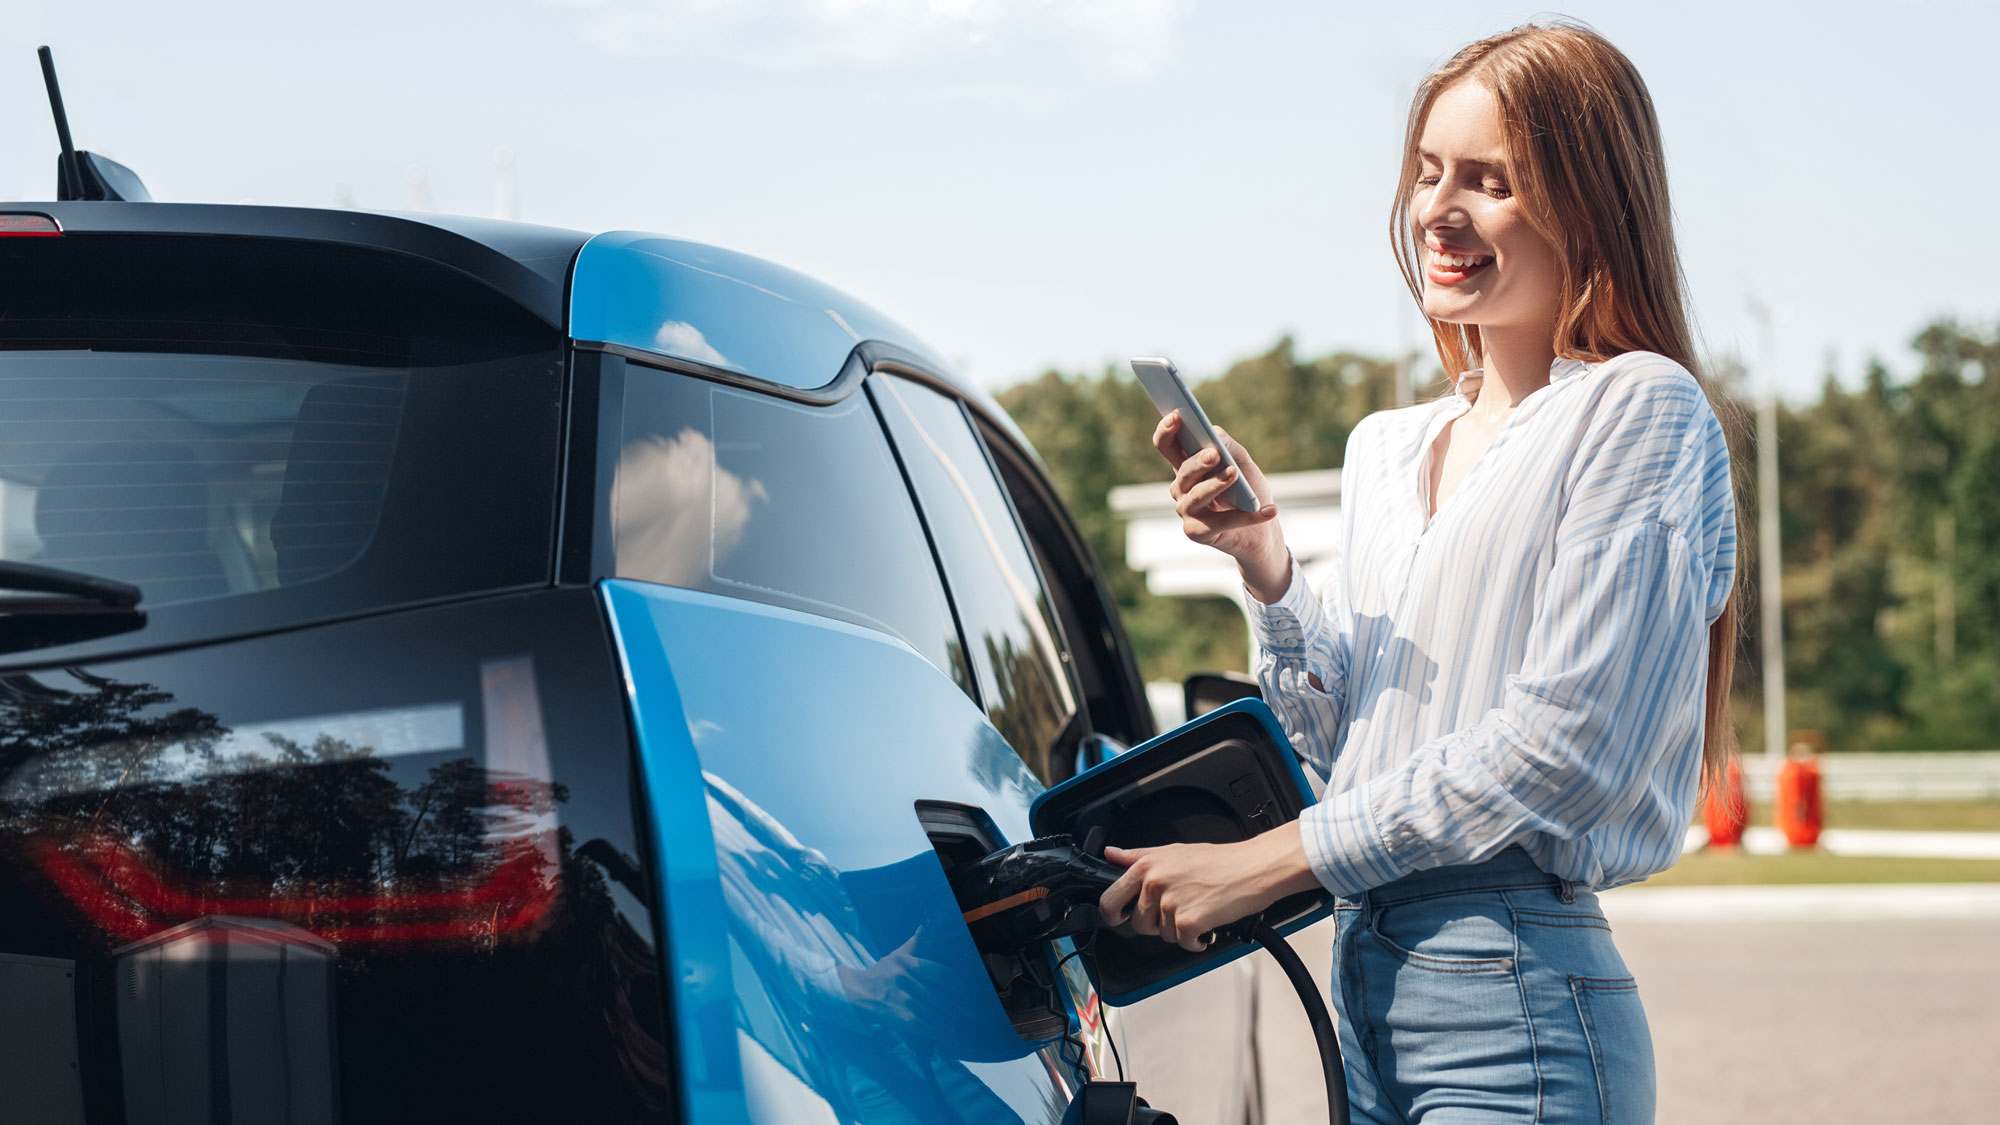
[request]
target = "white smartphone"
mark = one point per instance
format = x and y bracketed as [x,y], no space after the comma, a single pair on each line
[1164,386]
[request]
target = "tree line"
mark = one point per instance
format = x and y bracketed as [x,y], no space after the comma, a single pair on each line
[1889,506]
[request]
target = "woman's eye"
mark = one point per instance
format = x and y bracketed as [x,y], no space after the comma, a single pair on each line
[1427,181]
[1499,191]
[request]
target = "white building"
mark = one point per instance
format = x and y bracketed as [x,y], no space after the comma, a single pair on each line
[1309,506]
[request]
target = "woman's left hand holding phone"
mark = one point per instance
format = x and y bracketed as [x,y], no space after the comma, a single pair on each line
[1253,539]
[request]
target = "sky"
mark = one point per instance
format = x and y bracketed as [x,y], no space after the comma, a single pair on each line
[1035,184]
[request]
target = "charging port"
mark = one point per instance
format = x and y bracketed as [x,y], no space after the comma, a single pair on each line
[1024,982]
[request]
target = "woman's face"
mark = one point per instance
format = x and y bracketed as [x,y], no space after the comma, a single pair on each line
[1482,263]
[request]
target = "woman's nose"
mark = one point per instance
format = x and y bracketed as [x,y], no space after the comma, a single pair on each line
[1438,207]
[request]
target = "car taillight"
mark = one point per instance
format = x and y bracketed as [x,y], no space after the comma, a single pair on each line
[28,226]
[124,894]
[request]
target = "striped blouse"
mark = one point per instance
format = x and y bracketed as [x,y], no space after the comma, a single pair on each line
[1527,667]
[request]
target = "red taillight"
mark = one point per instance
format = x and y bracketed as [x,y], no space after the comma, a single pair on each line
[28,226]
[125,896]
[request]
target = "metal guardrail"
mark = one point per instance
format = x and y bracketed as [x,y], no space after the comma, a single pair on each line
[1961,775]
[1969,775]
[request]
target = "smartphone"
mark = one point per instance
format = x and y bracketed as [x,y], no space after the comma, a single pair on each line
[1164,386]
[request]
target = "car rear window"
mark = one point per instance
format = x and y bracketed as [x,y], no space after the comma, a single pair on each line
[259,433]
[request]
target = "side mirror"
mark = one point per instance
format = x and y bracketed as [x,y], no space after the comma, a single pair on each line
[1205,691]
[1223,777]
[1097,749]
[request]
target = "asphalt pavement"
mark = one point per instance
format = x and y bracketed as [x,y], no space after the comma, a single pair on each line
[1822,1013]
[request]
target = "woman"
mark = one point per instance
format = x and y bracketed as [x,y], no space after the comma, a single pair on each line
[1520,670]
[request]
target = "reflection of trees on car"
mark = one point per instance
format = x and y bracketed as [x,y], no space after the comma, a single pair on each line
[1026,707]
[137,823]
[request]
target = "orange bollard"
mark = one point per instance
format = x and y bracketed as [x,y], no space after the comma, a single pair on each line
[1798,810]
[1726,812]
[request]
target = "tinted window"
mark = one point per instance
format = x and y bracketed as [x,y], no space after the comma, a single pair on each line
[755,497]
[258,433]
[1100,655]
[1016,648]
[193,476]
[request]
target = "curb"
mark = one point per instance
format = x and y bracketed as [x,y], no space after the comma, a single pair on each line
[1809,902]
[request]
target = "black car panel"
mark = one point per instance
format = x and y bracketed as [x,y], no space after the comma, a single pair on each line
[525,264]
[428,820]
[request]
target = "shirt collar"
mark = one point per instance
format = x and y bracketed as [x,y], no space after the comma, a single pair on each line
[1558,371]
[1567,368]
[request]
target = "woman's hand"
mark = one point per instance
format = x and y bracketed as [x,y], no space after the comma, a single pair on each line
[1182,891]
[1253,539]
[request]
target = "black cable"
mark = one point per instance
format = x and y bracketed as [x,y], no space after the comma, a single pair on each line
[1111,1038]
[1087,946]
[1068,1035]
[1322,1021]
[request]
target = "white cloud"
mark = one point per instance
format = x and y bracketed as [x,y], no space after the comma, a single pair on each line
[674,511]
[678,337]
[1128,38]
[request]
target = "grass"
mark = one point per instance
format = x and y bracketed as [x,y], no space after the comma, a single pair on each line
[1707,868]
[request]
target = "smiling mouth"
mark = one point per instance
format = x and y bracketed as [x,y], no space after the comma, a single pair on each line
[1450,269]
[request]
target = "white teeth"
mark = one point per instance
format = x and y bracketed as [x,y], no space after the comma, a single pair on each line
[1457,261]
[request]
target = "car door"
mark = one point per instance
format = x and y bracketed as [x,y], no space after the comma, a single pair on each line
[1011,614]
[809,715]
[1191,1048]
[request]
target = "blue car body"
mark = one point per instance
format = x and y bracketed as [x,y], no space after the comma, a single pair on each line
[762,819]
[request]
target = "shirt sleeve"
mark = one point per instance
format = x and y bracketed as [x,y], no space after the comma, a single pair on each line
[1612,678]
[1300,636]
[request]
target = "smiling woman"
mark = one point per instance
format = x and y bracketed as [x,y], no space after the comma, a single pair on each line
[1515,676]
[1487,264]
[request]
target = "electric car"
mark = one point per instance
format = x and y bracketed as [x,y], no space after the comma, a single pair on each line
[467,671]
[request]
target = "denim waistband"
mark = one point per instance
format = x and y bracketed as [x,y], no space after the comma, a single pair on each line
[1508,870]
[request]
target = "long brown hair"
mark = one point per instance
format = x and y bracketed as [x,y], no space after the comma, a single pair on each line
[1585,161]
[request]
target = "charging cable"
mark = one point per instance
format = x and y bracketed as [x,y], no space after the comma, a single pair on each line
[1322,1022]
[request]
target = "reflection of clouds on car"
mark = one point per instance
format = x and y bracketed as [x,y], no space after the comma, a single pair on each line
[678,337]
[660,507]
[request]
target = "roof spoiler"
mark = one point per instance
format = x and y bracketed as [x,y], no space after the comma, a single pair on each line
[86,175]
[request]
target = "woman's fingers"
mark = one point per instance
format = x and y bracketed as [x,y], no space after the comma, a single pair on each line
[1206,527]
[1205,492]
[1116,901]
[1167,439]
[1192,471]
[1146,908]
[1247,464]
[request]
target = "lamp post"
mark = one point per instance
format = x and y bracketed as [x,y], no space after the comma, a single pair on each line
[1771,610]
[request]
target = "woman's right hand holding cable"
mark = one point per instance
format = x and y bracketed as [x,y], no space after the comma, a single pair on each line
[1253,539]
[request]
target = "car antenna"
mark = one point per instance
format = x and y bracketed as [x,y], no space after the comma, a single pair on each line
[68,177]
[86,175]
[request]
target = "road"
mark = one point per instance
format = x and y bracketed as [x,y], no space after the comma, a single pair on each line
[1822,1021]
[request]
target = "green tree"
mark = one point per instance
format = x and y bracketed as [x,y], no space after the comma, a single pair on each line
[1890,521]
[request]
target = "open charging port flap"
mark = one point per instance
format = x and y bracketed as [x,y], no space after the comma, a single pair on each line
[1223,777]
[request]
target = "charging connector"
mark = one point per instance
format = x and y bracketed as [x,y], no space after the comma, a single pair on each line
[1048,888]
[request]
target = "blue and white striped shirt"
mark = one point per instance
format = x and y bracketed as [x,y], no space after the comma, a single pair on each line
[1528,667]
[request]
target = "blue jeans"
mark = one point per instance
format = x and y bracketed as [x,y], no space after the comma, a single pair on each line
[1487,993]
